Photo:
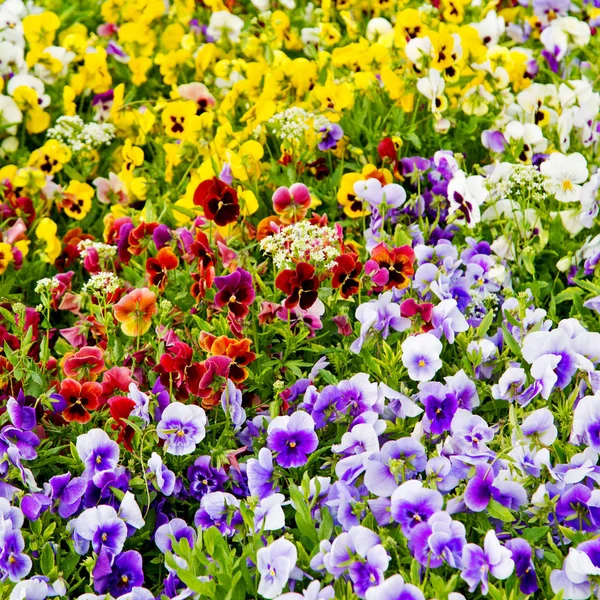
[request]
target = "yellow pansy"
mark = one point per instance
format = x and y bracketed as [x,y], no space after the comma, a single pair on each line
[139,67]
[29,179]
[36,119]
[40,29]
[69,106]
[6,256]
[132,156]
[334,98]
[77,200]
[180,120]
[248,202]
[245,163]
[46,231]
[51,157]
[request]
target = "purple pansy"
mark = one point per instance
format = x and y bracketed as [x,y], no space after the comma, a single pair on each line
[293,438]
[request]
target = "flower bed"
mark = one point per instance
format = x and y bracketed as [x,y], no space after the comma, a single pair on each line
[299,300]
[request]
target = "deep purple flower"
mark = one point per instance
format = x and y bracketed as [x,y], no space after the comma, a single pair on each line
[66,493]
[122,576]
[413,504]
[471,433]
[522,556]
[332,134]
[368,573]
[478,563]
[22,415]
[493,140]
[440,406]
[205,479]
[293,438]
[14,564]
[478,492]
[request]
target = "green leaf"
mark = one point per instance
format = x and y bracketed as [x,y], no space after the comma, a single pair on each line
[304,521]
[497,511]
[534,534]
[485,324]
[206,588]
[510,341]
[47,560]
[568,295]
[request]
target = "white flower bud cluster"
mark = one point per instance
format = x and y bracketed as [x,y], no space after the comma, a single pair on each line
[78,135]
[522,180]
[46,285]
[102,283]
[105,251]
[292,124]
[303,242]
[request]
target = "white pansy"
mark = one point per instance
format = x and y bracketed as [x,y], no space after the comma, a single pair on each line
[565,175]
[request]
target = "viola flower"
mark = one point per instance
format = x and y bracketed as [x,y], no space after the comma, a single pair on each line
[231,401]
[120,409]
[182,428]
[161,477]
[121,577]
[101,527]
[86,364]
[394,588]
[331,134]
[522,556]
[478,563]
[205,479]
[292,204]
[390,268]
[345,274]
[438,540]
[207,379]
[260,474]
[158,267]
[410,308]
[300,284]
[220,510]
[236,292]
[14,564]
[412,504]
[75,399]
[97,451]
[421,356]
[440,406]
[275,564]
[293,438]
[66,493]
[218,200]
[135,311]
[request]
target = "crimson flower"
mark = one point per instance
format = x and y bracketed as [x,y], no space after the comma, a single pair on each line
[218,200]
[345,274]
[235,292]
[86,363]
[207,379]
[120,408]
[300,284]
[410,308]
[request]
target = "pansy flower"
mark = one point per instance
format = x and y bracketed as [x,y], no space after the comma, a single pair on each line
[158,267]
[75,399]
[300,284]
[182,427]
[135,311]
[346,274]
[236,292]
[291,204]
[390,268]
[218,200]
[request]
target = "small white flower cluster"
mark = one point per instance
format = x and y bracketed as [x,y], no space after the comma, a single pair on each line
[303,242]
[105,251]
[46,285]
[102,283]
[78,135]
[292,124]
[521,180]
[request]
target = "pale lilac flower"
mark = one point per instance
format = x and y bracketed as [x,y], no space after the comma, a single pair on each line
[479,563]
[447,320]
[112,190]
[142,403]
[162,478]
[231,401]
[312,592]
[394,588]
[381,315]
[182,427]
[421,356]
[260,474]
[356,446]
[275,564]
[413,504]
[97,451]
[268,515]
[392,194]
